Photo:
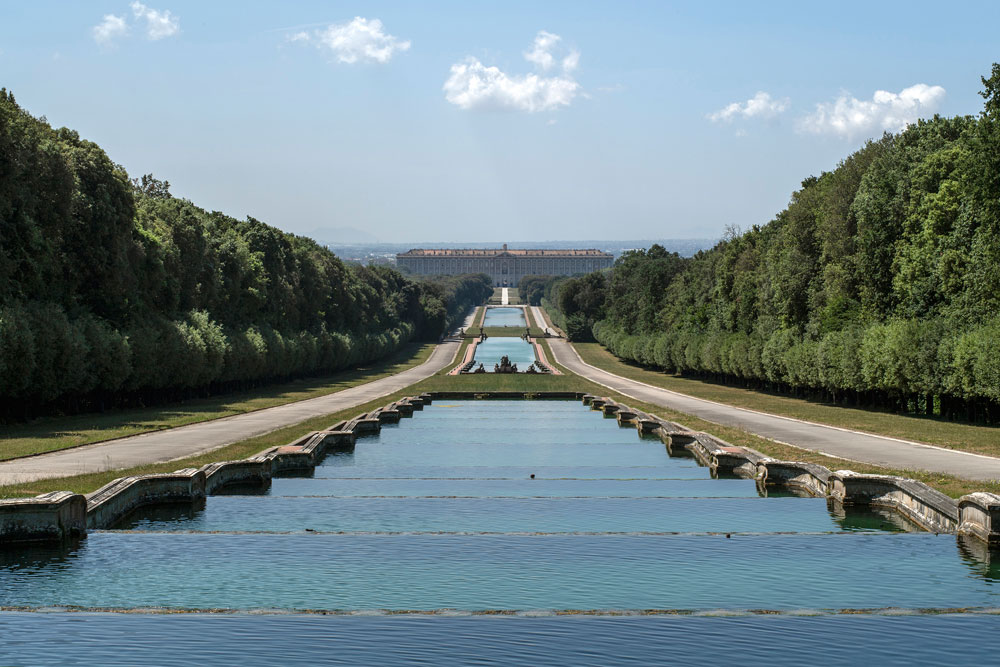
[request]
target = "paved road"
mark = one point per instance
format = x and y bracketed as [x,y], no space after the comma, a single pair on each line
[195,439]
[844,443]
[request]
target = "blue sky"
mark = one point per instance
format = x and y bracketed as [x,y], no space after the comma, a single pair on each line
[459,121]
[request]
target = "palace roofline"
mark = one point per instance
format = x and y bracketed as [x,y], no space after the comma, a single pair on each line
[497,252]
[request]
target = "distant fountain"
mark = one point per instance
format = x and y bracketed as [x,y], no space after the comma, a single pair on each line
[505,366]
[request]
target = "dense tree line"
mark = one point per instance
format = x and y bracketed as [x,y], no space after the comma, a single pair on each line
[575,303]
[114,291]
[878,285]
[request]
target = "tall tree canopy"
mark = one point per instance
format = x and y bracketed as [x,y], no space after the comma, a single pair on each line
[114,290]
[878,284]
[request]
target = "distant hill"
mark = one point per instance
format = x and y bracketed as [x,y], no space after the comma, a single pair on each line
[341,235]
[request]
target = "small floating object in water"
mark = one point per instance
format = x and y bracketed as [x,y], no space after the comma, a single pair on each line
[728,536]
[312,530]
[532,475]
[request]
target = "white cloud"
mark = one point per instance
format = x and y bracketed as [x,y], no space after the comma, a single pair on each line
[472,85]
[109,28]
[850,117]
[360,40]
[541,52]
[158,24]
[572,61]
[761,105]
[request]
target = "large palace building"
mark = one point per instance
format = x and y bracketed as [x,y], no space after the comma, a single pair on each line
[504,266]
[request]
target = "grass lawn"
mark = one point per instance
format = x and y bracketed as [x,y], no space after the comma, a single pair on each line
[512,297]
[55,433]
[953,435]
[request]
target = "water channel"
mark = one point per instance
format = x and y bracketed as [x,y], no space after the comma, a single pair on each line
[519,351]
[432,542]
[505,317]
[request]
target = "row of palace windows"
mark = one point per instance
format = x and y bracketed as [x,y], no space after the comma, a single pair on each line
[522,267]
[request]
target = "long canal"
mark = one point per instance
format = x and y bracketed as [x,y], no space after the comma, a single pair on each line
[538,531]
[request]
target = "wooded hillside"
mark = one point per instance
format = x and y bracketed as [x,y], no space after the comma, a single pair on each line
[113,290]
[878,285]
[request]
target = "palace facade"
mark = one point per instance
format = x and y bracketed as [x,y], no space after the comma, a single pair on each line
[505,267]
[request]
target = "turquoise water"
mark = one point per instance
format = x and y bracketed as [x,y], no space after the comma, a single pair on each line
[503,515]
[439,515]
[505,317]
[784,572]
[194,639]
[520,352]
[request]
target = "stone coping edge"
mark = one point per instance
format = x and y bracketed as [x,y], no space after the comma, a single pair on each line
[976,515]
[61,514]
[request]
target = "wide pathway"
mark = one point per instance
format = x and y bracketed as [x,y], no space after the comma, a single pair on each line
[193,439]
[844,443]
[504,296]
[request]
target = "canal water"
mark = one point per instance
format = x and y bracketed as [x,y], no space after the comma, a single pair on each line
[433,543]
[490,351]
[505,317]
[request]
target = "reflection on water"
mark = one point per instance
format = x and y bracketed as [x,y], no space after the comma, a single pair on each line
[260,488]
[983,561]
[181,512]
[870,518]
[37,557]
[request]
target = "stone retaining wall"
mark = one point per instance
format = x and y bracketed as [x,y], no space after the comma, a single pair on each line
[58,515]
[796,475]
[979,516]
[256,470]
[976,515]
[927,507]
[115,500]
[51,517]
